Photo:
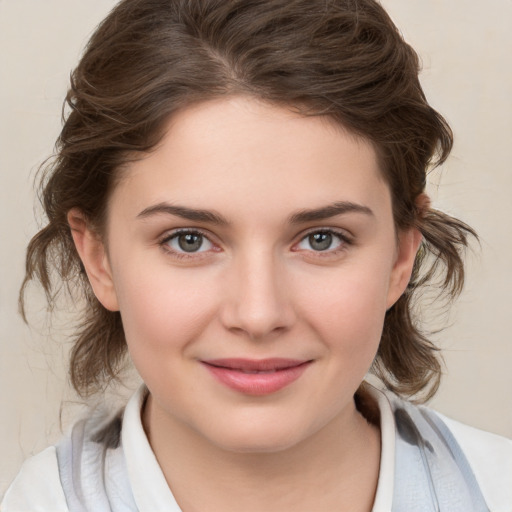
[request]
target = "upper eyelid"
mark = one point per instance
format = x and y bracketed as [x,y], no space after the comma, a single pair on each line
[163,243]
[345,238]
[343,233]
[169,234]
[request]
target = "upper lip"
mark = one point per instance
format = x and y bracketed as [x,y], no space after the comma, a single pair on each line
[255,365]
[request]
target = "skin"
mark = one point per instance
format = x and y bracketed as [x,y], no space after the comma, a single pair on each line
[257,288]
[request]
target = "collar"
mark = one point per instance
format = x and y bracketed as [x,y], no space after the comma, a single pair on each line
[152,493]
[149,487]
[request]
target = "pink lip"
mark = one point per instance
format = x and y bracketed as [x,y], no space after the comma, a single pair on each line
[256,377]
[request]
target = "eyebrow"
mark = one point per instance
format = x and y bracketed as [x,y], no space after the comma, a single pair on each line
[183,212]
[310,215]
[326,212]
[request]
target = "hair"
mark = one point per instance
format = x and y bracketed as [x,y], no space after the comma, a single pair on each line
[343,59]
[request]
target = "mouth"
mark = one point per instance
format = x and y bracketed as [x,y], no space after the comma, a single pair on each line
[256,377]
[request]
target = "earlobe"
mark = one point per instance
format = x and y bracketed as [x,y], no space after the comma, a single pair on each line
[92,252]
[408,244]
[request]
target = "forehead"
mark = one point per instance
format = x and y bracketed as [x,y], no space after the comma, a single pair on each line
[237,151]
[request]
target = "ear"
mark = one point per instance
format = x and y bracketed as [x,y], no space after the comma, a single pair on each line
[92,252]
[408,244]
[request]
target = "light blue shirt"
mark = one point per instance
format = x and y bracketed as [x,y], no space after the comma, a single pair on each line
[429,463]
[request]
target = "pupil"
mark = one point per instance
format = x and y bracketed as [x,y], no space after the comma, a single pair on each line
[190,242]
[320,241]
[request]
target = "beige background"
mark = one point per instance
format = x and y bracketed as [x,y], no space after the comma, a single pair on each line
[467,75]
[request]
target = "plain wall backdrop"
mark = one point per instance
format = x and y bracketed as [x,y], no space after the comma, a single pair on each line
[465,46]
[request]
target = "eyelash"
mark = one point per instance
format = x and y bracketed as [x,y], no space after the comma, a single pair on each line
[343,237]
[164,243]
[345,240]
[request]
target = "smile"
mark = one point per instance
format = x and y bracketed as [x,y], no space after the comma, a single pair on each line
[256,377]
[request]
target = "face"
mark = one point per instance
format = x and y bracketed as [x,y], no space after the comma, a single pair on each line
[252,256]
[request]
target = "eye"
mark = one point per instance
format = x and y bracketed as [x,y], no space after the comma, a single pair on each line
[323,240]
[188,242]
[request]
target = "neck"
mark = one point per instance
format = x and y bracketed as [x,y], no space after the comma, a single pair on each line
[334,469]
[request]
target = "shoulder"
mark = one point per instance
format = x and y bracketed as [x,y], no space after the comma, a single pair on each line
[482,460]
[490,458]
[85,469]
[37,487]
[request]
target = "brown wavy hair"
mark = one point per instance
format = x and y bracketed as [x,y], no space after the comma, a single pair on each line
[339,58]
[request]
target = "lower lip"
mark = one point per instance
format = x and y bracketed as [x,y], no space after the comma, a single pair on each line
[257,384]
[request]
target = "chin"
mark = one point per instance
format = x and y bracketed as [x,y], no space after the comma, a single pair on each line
[258,446]
[256,438]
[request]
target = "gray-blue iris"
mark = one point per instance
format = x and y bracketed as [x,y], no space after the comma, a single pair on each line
[190,242]
[320,241]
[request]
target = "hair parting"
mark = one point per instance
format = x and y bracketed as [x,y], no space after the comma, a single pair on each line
[343,59]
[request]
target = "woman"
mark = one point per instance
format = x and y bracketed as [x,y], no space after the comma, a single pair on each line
[239,195]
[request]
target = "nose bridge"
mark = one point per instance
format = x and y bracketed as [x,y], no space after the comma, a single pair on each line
[259,303]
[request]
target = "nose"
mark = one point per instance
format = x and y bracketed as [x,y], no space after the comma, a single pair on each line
[258,303]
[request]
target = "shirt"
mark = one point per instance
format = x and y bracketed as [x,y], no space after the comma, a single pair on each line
[428,463]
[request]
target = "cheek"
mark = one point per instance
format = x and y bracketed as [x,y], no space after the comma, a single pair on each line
[162,310]
[349,308]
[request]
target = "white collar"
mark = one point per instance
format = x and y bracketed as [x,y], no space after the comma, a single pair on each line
[384,495]
[150,489]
